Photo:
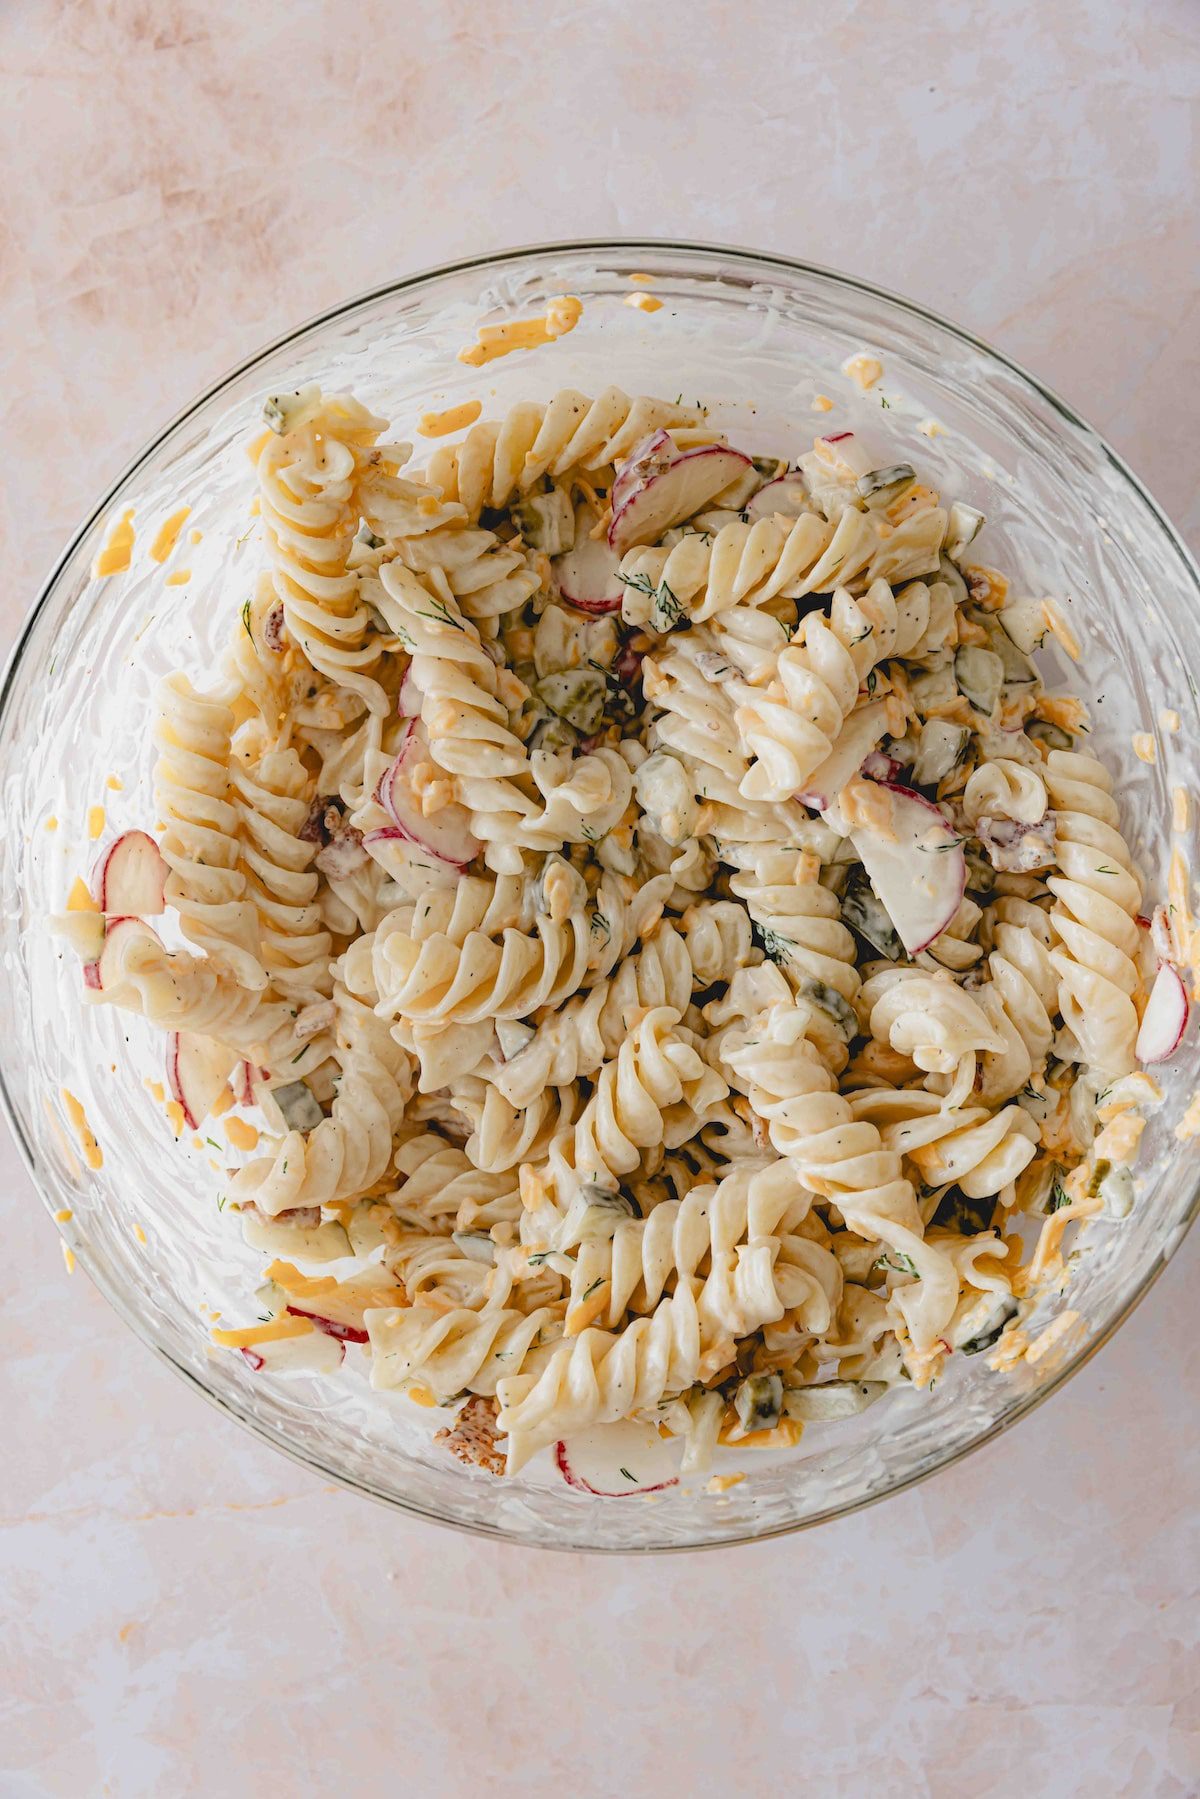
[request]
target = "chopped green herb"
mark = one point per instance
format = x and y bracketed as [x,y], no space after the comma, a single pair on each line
[246,620]
[598,1282]
[442,615]
[629,1476]
[212,1142]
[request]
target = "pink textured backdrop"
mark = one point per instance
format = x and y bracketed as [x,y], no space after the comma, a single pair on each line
[184,1612]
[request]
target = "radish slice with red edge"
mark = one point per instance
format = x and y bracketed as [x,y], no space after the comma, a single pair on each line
[104,975]
[648,457]
[667,497]
[345,1333]
[613,1461]
[915,863]
[246,1080]
[1165,1019]
[129,879]
[787,495]
[588,575]
[197,1070]
[446,834]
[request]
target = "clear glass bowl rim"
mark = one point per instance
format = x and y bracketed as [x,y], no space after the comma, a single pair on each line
[495,261]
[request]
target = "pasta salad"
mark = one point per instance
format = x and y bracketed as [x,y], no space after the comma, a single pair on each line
[661,951]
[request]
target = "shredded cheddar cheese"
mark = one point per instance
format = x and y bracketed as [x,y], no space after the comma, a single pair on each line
[1060,630]
[51,823]
[68,1256]
[586,1311]
[1189,1125]
[643,280]
[721,1483]
[301,1286]
[114,783]
[454,418]
[562,314]
[422,1396]
[1053,1333]
[115,557]
[643,302]
[1180,809]
[93,1155]
[279,1330]
[241,1134]
[1118,1141]
[95,822]
[139,1233]
[167,534]
[1168,719]
[931,428]
[175,1117]
[822,403]
[180,578]
[1144,746]
[863,370]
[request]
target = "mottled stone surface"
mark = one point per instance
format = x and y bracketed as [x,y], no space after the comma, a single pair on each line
[187,1613]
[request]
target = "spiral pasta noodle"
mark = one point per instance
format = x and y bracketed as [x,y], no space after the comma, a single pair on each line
[497,460]
[272,799]
[654,1090]
[1097,895]
[843,1157]
[791,730]
[206,884]
[599,1377]
[309,481]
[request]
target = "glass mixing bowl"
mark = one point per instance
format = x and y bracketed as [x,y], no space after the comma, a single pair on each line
[755,337]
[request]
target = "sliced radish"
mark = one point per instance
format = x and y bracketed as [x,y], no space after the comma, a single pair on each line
[915,863]
[649,457]
[787,495]
[105,975]
[588,576]
[613,1461]
[858,738]
[1165,1019]
[665,498]
[130,877]
[345,1333]
[197,1069]
[246,1082]
[316,1353]
[446,834]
